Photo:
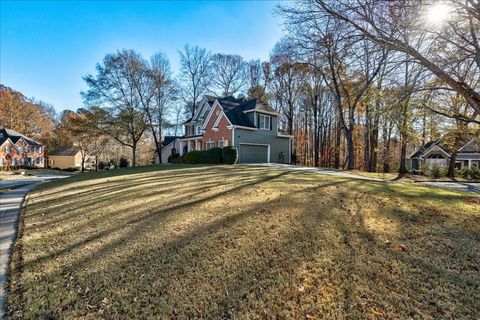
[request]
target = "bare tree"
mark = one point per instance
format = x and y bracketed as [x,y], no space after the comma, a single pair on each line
[194,75]
[228,73]
[402,26]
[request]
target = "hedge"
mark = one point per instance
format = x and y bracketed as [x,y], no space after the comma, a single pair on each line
[212,156]
[229,155]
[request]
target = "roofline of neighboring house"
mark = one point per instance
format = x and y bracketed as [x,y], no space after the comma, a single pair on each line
[273,113]
[466,144]
[285,136]
[424,154]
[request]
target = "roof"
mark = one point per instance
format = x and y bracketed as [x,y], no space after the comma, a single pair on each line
[473,146]
[15,136]
[168,139]
[429,145]
[63,152]
[234,110]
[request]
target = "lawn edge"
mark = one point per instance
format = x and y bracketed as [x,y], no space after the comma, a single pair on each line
[14,304]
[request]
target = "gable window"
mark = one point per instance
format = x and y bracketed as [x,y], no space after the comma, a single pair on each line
[209,145]
[264,122]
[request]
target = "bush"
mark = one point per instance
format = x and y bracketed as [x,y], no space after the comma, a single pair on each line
[172,157]
[113,162]
[436,171]
[124,162]
[213,156]
[179,159]
[229,155]
[194,157]
[102,165]
[472,173]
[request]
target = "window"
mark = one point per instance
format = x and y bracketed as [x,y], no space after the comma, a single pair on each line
[222,143]
[264,122]
[209,145]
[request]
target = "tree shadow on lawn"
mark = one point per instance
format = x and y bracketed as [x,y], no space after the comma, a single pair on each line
[318,261]
[143,219]
[179,248]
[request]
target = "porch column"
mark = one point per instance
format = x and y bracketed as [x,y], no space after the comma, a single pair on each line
[469,163]
[189,146]
[181,148]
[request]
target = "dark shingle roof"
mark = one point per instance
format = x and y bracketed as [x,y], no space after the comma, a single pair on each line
[473,146]
[63,152]
[169,139]
[15,136]
[427,146]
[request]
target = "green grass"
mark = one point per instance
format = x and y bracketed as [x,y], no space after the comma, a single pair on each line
[239,242]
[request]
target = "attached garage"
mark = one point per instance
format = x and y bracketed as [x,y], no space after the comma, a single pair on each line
[254,153]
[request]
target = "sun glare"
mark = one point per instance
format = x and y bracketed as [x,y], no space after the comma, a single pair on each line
[438,13]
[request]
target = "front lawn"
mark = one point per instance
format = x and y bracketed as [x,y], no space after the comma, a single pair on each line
[244,242]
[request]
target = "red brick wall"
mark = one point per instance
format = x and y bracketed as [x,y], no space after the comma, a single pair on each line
[223,133]
[28,152]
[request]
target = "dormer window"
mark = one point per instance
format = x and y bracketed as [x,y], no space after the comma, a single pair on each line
[264,122]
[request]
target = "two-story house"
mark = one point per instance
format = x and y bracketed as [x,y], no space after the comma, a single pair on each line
[248,125]
[19,150]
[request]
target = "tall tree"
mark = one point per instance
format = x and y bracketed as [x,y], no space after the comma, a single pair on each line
[228,73]
[194,75]
[113,89]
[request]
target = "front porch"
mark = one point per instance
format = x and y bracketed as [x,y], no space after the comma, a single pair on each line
[190,144]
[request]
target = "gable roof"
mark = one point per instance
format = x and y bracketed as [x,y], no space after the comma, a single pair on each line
[168,139]
[473,146]
[15,136]
[428,146]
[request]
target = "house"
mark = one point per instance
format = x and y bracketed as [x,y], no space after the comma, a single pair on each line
[248,125]
[437,153]
[19,150]
[70,158]
[170,145]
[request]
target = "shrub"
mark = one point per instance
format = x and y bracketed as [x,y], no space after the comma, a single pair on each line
[102,165]
[475,173]
[213,156]
[113,162]
[436,171]
[194,157]
[229,155]
[172,157]
[124,162]
[179,159]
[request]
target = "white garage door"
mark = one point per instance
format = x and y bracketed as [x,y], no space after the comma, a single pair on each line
[249,153]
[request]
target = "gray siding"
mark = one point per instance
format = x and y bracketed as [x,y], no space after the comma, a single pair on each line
[277,144]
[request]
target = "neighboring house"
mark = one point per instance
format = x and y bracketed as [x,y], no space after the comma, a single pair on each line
[19,150]
[170,145]
[69,158]
[248,125]
[437,153]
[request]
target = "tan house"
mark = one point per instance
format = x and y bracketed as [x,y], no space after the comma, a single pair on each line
[65,159]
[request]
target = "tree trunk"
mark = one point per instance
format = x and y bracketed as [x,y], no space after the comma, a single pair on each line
[451,165]
[134,153]
[403,157]
[350,149]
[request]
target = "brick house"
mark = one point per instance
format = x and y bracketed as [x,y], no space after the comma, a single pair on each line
[248,125]
[19,150]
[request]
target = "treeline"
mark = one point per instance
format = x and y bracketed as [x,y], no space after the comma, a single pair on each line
[360,84]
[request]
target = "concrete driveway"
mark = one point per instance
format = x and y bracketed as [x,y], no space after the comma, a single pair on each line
[319,170]
[10,205]
[459,186]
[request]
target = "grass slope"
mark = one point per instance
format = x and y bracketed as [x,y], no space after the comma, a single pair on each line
[245,242]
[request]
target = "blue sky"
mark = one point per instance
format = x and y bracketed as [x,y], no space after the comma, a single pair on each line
[47,46]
